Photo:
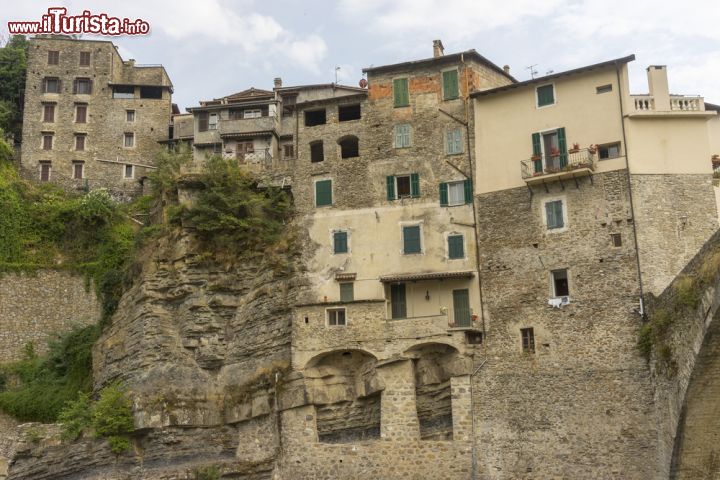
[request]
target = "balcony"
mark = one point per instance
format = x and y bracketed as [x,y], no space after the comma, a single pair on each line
[242,126]
[672,106]
[545,168]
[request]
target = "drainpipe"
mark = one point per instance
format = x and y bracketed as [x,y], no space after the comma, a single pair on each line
[632,205]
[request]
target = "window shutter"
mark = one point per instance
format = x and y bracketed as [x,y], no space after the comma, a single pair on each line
[401,97]
[455,246]
[347,293]
[340,242]
[537,151]
[390,181]
[75,86]
[468,191]
[554,214]
[443,194]
[203,120]
[90,86]
[411,239]
[562,146]
[414,185]
[450,84]
[323,193]
[398,136]
[406,135]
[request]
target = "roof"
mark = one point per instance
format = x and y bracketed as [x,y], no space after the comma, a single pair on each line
[313,86]
[406,277]
[471,54]
[712,106]
[546,78]
[249,93]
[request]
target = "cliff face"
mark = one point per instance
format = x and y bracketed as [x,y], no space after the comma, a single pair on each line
[201,346]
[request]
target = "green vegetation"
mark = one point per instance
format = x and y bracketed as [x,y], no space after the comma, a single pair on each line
[13,67]
[211,472]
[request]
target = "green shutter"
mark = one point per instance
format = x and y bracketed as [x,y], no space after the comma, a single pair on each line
[562,146]
[456,249]
[347,292]
[400,92]
[390,182]
[398,136]
[554,214]
[461,308]
[340,242]
[443,194]
[545,95]
[537,151]
[411,239]
[414,185]
[468,191]
[323,193]
[397,300]
[450,84]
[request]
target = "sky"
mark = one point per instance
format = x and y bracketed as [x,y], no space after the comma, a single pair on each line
[213,48]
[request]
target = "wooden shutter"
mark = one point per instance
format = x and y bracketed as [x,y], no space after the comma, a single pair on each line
[443,194]
[397,300]
[455,246]
[390,182]
[323,193]
[81,114]
[414,185]
[545,95]
[468,191]
[562,146]
[537,151]
[554,214]
[411,239]
[347,292]
[340,242]
[401,97]
[450,84]
[461,308]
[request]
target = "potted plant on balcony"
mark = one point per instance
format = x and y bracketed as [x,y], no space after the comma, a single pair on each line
[535,156]
[592,149]
[575,148]
[554,152]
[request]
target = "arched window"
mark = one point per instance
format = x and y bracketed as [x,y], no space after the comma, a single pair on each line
[349,147]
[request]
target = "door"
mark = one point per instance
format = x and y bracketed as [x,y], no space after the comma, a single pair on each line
[398,300]
[552,151]
[243,150]
[461,308]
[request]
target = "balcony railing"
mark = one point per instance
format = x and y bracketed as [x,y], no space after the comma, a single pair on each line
[541,166]
[262,160]
[246,125]
[678,103]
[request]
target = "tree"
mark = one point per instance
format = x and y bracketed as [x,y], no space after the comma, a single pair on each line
[13,69]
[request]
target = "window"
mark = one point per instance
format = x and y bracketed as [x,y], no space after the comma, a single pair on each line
[528,340]
[53,57]
[203,121]
[82,86]
[123,91]
[80,113]
[403,186]
[252,113]
[80,143]
[348,112]
[609,151]
[401,94]
[411,240]
[45,168]
[456,246]
[336,317]
[316,151]
[549,150]
[453,141]
[78,170]
[288,151]
[130,115]
[51,85]
[545,95]
[560,283]
[47,142]
[129,140]
[340,242]
[450,84]
[398,302]
[616,239]
[456,193]
[48,113]
[323,193]
[212,121]
[604,88]
[315,117]
[349,147]
[244,150]
[151,92]
[129,171]
[84,59]
[402,135]
[347,292]
[554,214]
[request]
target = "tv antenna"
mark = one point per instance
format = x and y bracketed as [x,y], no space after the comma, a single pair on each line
[336,70]
[533,72]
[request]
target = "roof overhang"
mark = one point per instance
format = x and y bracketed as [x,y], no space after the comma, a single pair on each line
[414,277]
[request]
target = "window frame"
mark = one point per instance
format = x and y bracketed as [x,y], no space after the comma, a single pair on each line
[128,113]
[52,108]
[288,147]
[132,171]
[250,113]
[457,83]
[85,53]
[55,56]
[85,115]
[316,122]
[563,205]
[553,288]
[607,88]
[45,85]
[537,95]
[314,145]
[606,146]
[409,184]
[336,310]
[77,81]
[343,109]
[421,247]
[123,95]
[213,125]
[407,92]
[527,340]
[315,192]
[83,142]
[345,285]
[397,134]
[462,245]
[456,184]
[334,243]
[127,135]
[616,239]
[76,164]
[44,141]
[459,140]
[42,164]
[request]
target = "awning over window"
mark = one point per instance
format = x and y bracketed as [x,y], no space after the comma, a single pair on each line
[411,277]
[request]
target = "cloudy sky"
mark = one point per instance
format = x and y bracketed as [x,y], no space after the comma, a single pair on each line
[215,47]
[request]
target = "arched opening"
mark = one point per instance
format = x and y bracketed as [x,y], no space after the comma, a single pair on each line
[349,147]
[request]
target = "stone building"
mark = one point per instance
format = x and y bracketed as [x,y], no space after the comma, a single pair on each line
[91,119]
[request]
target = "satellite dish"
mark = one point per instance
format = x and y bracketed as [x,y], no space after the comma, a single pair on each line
[362,83]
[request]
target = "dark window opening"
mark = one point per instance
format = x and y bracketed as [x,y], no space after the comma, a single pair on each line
[51,85]
[340,243]
[129,171]
[403,186]
[123,91]
[45,171]
[336,317]
[78,170]
[560,283]
[604,88]
[348,112]
[528,340]
[203,121]
[47,142]
[316,152]
[608,151]
[398,305]
[288,151]
[81,114]
[474,338]
[151,92]
[80,143]
[48,113]
[53,57]
[349,147]
[545,95]
[315,117]
[616,239]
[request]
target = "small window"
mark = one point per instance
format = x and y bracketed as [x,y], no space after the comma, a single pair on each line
[554,214]
[315,117]
[78,170]
[604,88]
[336,317]
[82,86]
[123,91]
[456,193]
[130,116]
[560,283]
[528,340]
[51,85]
[48,113]
[289,151]
[212,121]
[450,84]
[53,57]
[45,168]
[129,140]
[403,186]
[411,240]
[80,143]
[203,120]
[453,141]
[398,301]
[151,92]
[545,95]
[616,239]
[129,171]
[84,59]
[316,151]
[402,135]
[348,112]
[401,94]
[606,152]
[323,193]
[340,242]
[252,113]
[347,292]
[349,147]
[456,246]
[47,142]
[80,113]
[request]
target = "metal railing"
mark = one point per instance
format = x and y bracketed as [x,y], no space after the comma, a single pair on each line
[540,165]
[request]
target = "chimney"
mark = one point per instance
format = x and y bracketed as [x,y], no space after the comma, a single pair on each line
[658,84]
[277,81]
[506,68]
[130,62]
[438,49]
